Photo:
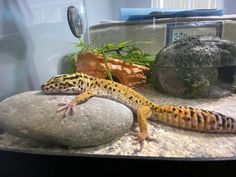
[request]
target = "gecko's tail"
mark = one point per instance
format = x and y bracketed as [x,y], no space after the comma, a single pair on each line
[195,119]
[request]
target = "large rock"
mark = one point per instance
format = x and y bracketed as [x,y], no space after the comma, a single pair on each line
[33,115]
[196,67]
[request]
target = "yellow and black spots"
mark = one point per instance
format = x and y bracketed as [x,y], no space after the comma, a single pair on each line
[69,83]
[194,118]
[178,116]
[85,96]
[175,120]
[225,123]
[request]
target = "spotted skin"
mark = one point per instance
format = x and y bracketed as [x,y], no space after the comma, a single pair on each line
[183,117]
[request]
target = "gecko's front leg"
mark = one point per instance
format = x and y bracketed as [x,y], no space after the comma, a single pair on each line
[69,107]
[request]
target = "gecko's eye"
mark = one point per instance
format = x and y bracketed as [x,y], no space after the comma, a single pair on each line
[57,80]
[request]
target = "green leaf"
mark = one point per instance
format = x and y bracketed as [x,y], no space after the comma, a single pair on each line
[123,44]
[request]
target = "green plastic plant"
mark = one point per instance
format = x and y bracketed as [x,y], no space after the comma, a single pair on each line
[71,63]
[126,50]
[194,89]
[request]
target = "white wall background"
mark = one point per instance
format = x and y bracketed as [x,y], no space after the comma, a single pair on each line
[98,10]
[34,36]
[230,6]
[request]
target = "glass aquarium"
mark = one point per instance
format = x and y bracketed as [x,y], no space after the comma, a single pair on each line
[126,78]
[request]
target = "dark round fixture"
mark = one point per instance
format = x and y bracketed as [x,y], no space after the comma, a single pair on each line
[75,21]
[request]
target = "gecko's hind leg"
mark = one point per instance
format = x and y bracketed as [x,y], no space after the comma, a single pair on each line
[143,113]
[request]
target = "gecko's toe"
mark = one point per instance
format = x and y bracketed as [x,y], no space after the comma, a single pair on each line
[61,104]
[138,139]
[151,139]
[61,108]
[67,108]
[64,102]
[134,134]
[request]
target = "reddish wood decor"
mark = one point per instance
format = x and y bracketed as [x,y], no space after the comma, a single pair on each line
[129,74]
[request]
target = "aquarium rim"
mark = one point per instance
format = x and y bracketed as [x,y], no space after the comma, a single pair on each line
[125,157]
[165,20]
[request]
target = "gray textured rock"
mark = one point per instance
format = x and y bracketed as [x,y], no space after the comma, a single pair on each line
[196,67]
[33,115]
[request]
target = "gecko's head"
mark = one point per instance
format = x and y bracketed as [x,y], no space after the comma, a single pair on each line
[65,83]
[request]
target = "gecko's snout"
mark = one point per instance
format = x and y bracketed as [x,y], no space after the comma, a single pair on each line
[45,87]
[42,86]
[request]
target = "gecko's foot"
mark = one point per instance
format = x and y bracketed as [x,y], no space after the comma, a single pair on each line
[139,139]
[68,108]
